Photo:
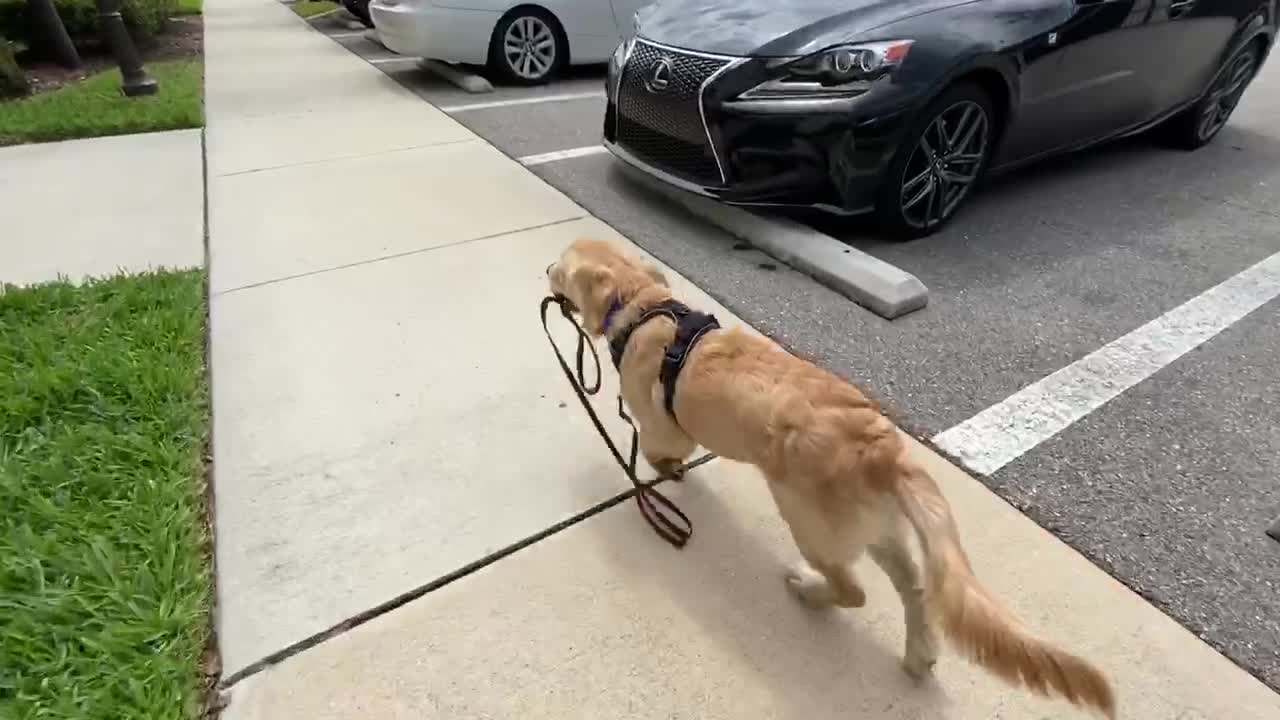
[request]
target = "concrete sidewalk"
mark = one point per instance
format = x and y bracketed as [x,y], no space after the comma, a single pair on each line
[102,205]
[386,412]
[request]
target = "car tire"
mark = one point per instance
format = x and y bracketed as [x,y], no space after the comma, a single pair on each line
[1199,124]
[359,8]
[528,47]
[925,186]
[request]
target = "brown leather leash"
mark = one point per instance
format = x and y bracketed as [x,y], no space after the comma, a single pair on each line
[656,508]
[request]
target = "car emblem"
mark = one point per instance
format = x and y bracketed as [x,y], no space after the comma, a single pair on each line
[660,76]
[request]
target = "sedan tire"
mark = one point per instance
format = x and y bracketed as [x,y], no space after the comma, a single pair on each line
[1196,126]
[528,47]
[939,163]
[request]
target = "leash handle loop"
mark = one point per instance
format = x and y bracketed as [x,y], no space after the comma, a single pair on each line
[583,342]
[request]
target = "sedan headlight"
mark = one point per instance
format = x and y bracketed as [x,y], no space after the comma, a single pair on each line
[614,74]
[620,53]
[836,70]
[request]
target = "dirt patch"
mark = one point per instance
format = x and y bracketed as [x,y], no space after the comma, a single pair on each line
[184,39]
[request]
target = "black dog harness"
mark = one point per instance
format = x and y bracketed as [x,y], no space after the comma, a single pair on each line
[691,326]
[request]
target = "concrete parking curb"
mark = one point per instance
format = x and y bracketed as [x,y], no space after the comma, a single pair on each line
[470,82]
[884,289]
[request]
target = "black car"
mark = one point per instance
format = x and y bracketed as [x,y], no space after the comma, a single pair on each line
[900,106]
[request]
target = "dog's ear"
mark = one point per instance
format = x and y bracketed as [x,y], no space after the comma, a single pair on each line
[596,289]
[655,274]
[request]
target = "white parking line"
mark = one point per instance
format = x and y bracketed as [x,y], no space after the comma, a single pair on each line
[324,14]
[544,158]
[398,58]
[348,35]
[1000,434]
[523,101]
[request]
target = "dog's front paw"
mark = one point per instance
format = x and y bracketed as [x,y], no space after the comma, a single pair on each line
[669,469]
[919,667]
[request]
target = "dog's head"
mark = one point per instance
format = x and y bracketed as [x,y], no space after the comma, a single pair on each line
[594,276]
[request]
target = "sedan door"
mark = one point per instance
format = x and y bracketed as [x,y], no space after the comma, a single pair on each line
[1109,72]
[1193,35]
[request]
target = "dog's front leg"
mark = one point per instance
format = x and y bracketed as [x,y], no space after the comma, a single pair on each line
[663,443]
[665,448]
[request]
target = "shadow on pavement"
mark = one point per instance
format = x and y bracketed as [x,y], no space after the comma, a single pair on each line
[729,580]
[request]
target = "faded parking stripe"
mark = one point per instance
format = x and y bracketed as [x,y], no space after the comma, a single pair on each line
[1003,432]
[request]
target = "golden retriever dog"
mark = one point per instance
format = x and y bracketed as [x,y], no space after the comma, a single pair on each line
[842,477]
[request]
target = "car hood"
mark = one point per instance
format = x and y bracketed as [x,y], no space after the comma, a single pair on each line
[771,27]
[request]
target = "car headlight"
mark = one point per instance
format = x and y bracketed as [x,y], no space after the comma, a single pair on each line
[614,74]
[836,70]
[620,53]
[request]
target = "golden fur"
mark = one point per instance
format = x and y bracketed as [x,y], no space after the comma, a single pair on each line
[842,477]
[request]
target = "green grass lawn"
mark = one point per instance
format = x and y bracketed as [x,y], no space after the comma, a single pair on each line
[96,107]
[312,8]
[190,7]
[104,578]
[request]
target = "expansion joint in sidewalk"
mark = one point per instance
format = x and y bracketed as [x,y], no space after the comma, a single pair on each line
[394,256]
[403,599]
[342,158]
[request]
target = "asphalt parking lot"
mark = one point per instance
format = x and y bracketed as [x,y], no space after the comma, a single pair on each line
[1171,473]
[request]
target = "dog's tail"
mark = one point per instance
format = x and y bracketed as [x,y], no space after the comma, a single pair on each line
[976,624]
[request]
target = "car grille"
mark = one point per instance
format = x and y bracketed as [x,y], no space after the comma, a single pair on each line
[664,128]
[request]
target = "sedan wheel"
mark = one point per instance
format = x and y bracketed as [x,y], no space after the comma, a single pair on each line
[1196,126]
[527,48]
[1226,94]
[930,178]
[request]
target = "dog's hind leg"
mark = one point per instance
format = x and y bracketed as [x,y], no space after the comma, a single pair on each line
[893,554]
[827,577]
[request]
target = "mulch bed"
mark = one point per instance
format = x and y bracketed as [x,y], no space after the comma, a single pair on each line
[184,39]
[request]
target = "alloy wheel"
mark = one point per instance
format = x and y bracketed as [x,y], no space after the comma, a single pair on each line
[529,47]
[1226,93]
[944,165]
